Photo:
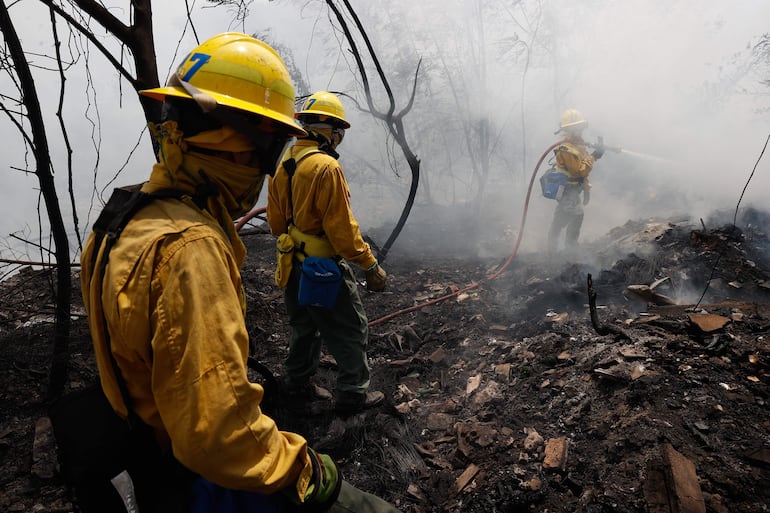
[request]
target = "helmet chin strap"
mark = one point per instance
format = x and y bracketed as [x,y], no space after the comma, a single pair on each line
[204,101]
[325,144]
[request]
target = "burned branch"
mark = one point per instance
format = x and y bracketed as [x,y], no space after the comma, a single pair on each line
[601,329]
[43,170]
[393,121]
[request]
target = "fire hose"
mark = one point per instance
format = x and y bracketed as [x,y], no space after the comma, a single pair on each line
[471,286]
[518,238]
[499,271]
[248,217]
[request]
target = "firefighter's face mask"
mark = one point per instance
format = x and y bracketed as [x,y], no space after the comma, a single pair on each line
[269,143]
[264,138]
[248,146]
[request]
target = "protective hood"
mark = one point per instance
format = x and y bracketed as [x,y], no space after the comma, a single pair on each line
[231,189]
[222,188]
[225,138]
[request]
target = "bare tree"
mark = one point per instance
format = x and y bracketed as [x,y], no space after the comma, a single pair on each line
[761,54]
[35,137]
[136,39]
[393,120]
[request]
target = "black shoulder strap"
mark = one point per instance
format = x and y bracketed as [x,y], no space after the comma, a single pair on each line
[124,203]
[290,166]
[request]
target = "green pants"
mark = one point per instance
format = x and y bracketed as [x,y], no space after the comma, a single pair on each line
[344,329]
[569,214]
[210,497]
[353,500]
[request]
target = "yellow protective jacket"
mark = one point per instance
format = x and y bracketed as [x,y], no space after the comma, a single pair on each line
[321,198]
[173,301]
[572,159]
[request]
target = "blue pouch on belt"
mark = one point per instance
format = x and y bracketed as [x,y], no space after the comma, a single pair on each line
[552,184]
[319,283]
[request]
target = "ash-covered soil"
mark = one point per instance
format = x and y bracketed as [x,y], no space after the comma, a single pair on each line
[504,396]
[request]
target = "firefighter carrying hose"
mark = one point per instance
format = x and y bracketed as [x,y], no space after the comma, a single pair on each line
[167,309]
[572,166]
[309,210]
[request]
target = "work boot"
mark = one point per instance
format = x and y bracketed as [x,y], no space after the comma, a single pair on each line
[305,391]
[352,402]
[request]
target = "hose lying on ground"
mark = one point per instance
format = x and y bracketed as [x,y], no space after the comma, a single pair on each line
[241,222]
[496,273]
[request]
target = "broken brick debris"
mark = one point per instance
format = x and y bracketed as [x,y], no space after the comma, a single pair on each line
[466,477]
[672,484]
[708,323]
[556,454]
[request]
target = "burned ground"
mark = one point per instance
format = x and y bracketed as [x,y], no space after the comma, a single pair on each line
[502,397]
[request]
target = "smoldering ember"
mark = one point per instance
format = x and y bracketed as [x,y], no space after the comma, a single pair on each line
[636,383]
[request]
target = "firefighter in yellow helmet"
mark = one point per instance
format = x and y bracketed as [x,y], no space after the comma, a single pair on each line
[309,209]
[574,162]
[167,307]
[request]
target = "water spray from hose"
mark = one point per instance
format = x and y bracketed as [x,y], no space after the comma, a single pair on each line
[636,154]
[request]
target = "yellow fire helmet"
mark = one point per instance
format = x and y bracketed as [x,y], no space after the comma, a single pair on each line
[237,71]
[325,105]
[573,120]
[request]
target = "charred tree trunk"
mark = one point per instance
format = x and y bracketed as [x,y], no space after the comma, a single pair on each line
[39,144]
[601,329]
[138,37]
[414,166]
[393,120]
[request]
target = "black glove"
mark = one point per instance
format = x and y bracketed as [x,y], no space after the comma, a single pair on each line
[598,148]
